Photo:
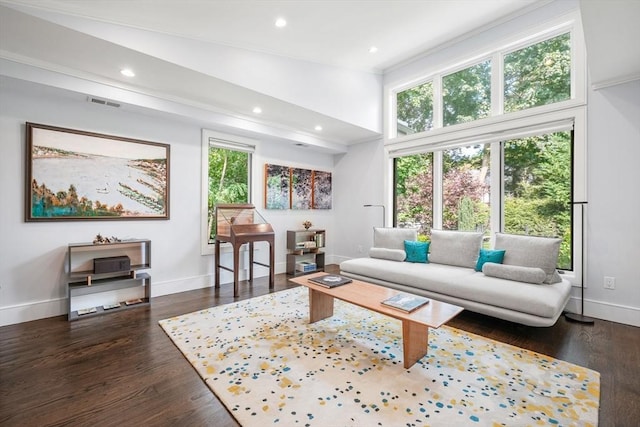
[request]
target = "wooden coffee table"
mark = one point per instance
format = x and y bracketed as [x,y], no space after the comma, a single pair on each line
[415,325]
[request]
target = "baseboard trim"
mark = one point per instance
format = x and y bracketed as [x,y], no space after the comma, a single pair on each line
[181,285]
[606,311]
[56,307]
[27,312]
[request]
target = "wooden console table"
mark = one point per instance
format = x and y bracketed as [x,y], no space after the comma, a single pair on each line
[240,224]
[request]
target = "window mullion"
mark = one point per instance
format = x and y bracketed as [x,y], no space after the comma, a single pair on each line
[496,199]
[437,102]
[437,190]
[497,84]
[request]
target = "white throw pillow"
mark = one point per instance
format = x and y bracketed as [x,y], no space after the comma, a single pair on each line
[390,254]
[459,248]
[393,238]
[531,251]
[514,272]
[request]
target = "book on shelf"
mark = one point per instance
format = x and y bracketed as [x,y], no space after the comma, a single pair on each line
[133,301]
[111,306]
[306,266]
[86,311]
[330,280]
[405,302]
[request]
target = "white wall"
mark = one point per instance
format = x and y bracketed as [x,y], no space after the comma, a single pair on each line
[361,173]
[32,255]
[613,224]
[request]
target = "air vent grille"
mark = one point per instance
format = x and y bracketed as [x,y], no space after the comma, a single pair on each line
[103,102]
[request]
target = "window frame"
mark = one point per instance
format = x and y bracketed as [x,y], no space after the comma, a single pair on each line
[230,142]
[557,121]
[569,23]
[499,125]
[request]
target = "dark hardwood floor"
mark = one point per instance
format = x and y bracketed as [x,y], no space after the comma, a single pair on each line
[122,369]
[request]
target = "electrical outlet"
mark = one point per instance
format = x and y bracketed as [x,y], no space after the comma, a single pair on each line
[609,282]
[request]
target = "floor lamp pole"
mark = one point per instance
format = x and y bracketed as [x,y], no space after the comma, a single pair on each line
[574,317]
[384,214]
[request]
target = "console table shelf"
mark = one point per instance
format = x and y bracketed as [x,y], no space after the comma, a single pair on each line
[82,280]
[305,247]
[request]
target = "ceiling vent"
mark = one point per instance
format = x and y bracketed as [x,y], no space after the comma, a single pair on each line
[103,102]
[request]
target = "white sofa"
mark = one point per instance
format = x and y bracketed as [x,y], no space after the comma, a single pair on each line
[524,288]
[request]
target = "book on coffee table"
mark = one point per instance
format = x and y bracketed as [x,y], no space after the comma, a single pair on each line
[330,280]
[406,302]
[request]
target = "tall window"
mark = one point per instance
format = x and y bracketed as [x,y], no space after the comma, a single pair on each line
[517,172]
[537,189]
[466,189]
[414,192]
[227,167]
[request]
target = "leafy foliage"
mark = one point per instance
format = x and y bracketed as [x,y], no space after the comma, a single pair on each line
[415,109]
[538,74]
[467,94]
[539,189]
[228,180]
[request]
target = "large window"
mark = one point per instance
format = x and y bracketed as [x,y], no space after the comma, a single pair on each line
[466,189]
[512,79]
[496,145]
[537,186]
[227,167]
[534,185]
[414,192]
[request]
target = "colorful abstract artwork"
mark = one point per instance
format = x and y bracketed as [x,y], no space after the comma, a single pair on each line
[301,188]
[296,188]
[321,190]
[277,181]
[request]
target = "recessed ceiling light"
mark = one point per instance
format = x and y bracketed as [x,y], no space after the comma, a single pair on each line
[318,128]
[281,22]
[373,49]
[127,72]
[257,110]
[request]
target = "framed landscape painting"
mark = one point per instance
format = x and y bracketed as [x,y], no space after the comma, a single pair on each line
[77,175]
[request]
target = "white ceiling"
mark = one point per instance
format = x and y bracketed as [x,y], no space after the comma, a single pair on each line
[89,41]
[335,32]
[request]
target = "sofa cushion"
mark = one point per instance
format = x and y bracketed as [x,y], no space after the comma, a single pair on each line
[416,251]
[393,238]
[390,254]
[514,272]
[531,251]
[460,248]
[433,280]
[489,255]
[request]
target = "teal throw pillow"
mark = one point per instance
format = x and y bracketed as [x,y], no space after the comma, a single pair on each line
[489,255]
[416,251]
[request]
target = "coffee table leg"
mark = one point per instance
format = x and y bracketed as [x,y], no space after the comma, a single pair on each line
[320,306]
[415,338]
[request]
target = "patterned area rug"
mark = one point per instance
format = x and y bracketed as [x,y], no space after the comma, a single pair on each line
[270,367]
